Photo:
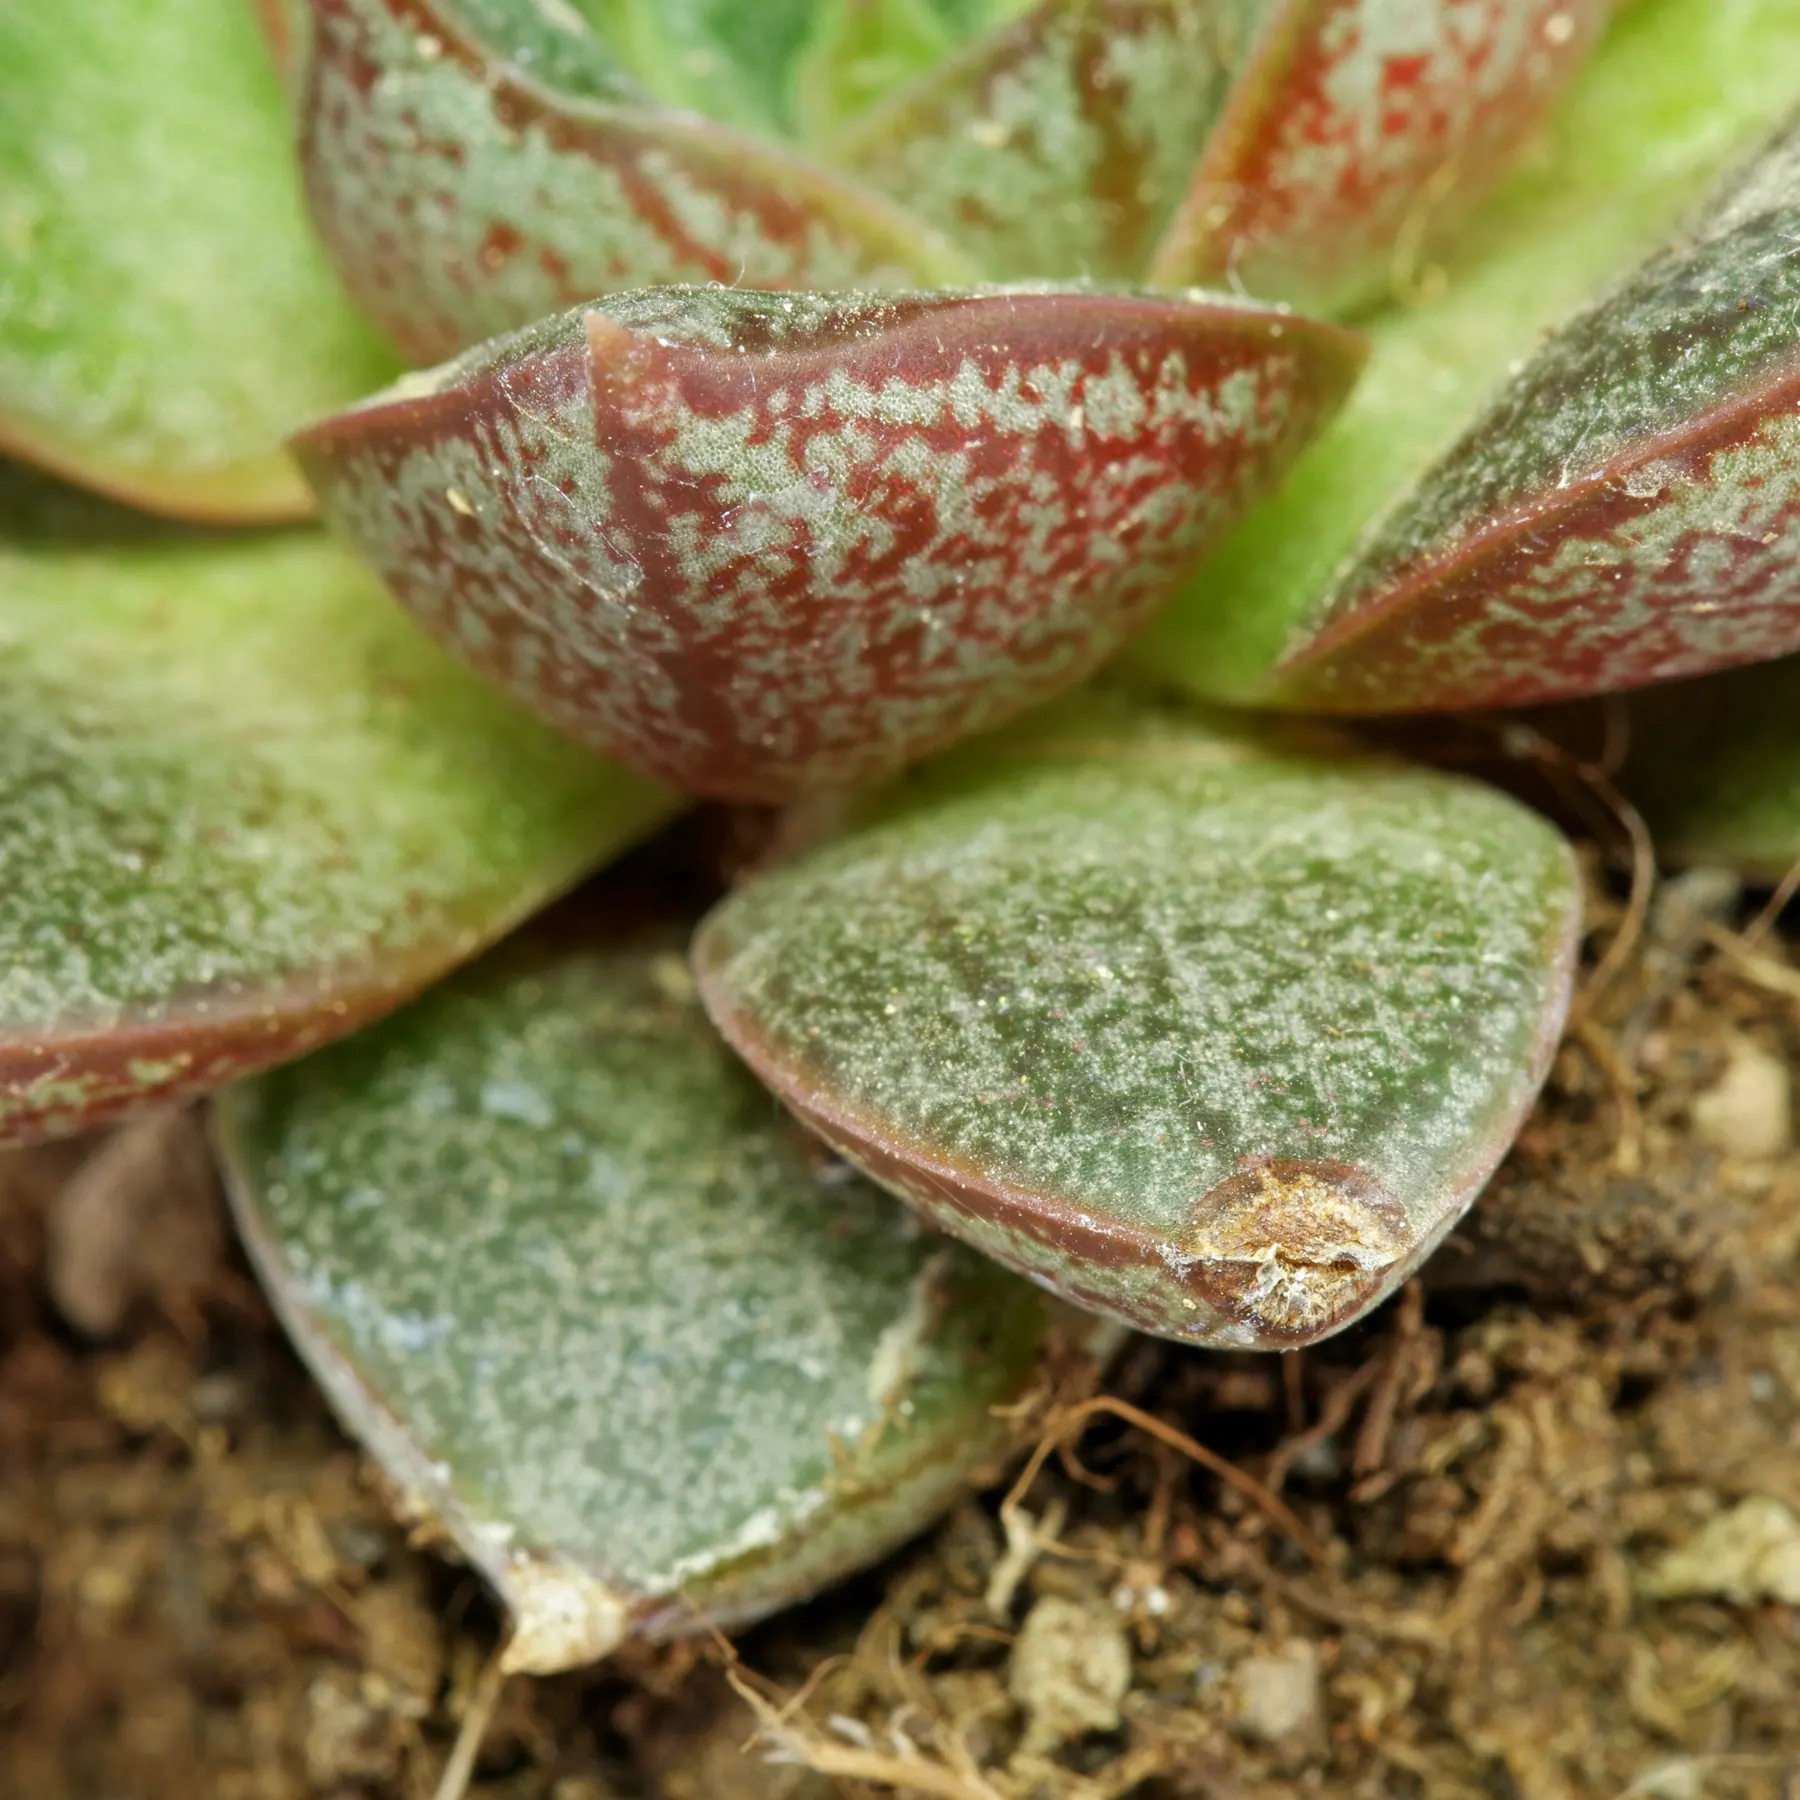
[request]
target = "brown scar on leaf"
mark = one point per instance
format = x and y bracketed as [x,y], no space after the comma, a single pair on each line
[1294,1248]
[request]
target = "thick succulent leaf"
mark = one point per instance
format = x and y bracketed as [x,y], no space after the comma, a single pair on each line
[1358,124]
[730,61]
[1212,1034]
[1713,765]
[1062,144]
[605,1314]
[474,166]
[243,807]
[166,317]
[756,543]
[1438,601]
[860,51]
[786,66]
[1626,510]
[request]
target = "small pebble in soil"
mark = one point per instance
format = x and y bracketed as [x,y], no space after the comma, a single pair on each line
[1747,1112]
[1748,1554]
[1279,1702]
[1071,1666]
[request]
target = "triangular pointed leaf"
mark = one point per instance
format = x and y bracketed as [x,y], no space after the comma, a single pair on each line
[1626,510]
[166,317]
[1359,124]
[1214,1036]
[754,543]
[475,166]
[243,807]
[608,1317]
[1471,586]
[1060,145]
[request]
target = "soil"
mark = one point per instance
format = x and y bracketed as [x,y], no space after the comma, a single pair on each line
[1548,1504]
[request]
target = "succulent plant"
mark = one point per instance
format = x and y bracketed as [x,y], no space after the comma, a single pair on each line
[994,434]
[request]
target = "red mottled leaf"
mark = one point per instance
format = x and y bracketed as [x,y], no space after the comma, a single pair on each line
[1627,510]
[1639,145]
[1062,144]
[474,167]
[759,543]
[1356,125]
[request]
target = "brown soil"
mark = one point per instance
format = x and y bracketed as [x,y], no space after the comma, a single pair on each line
[202,1591]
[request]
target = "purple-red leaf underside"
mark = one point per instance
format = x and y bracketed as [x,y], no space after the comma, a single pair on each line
[460,197]
[762,543]
[1359,125]
[1626,511]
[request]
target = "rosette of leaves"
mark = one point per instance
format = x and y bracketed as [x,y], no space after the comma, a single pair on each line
[805,402]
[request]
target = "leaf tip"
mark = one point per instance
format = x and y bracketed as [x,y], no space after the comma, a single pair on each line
[1295,1248]
[563,1617]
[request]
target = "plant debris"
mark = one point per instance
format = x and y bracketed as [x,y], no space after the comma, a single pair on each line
[1552,1488]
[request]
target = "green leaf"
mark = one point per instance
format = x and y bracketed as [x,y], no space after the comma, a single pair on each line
[1627,509]
[166,317]
[1713,765]
[608,1317]
[1308,570]
[243,807]
[755,543]
[860,51]
[733,62]
[1060,145]
[786,67]
[476,165]
[1358,130]
[1203,1030]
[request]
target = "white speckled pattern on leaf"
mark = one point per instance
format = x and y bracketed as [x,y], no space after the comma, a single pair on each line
[646,1351]
[244,805]
[1213,1036]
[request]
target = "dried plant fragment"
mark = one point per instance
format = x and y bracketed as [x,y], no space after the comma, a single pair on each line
[473,167]
[139,303]
[244,806]
[1356,126]
[1377,577]
[1216,1035]
[757,543]
[646,1353]
[1061,144]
